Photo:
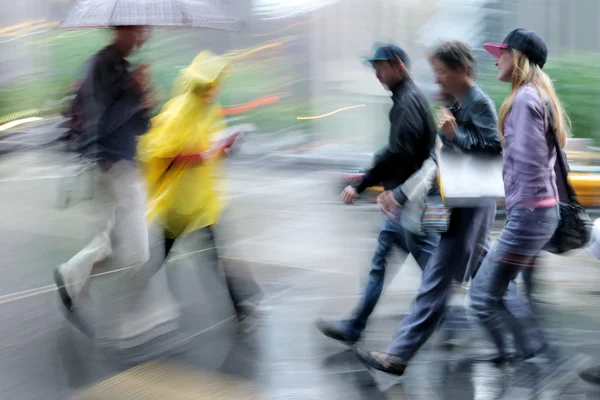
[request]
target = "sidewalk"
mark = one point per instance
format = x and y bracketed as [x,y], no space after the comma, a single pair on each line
[38,184]
[309,253]
[41,196]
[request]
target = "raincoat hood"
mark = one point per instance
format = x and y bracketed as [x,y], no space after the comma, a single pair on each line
[207,72]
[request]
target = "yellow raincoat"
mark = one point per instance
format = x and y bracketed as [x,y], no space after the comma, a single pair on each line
[185,197]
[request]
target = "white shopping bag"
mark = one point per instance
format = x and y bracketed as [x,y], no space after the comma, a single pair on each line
[593,247]
[469,179]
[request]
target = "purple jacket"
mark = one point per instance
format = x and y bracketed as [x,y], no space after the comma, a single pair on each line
[529,153]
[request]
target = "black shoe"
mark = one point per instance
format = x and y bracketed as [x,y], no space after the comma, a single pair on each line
[248,317]
[388,363]
[332,331]
[62,291]
[591,375]
[245,309]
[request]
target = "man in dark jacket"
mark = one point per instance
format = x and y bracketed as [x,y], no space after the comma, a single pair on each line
[411,140]
[114,104]
[412,132]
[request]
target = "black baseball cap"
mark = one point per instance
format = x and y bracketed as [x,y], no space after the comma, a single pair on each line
[389,52]
[526,41]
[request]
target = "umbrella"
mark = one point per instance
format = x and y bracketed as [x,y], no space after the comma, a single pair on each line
[212,14]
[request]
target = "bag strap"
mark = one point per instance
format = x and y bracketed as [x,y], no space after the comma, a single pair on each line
[560,155]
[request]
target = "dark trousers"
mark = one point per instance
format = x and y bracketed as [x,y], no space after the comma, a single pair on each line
[457,256]
[240,288]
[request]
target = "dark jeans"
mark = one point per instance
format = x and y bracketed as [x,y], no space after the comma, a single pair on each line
[527,275]
[240,288]
[458,255]
[421,247]
[494,296]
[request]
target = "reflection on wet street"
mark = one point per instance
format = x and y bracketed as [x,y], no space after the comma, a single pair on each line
[309,253]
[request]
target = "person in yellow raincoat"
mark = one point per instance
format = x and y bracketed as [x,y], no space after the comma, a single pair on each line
[180,159]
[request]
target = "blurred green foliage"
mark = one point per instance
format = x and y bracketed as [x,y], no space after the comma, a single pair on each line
[263,74]
[254,77]
[577,81]
[66,52]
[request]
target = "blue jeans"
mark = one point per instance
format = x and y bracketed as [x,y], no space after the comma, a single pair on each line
[494,296]
[527,275]
[420,246]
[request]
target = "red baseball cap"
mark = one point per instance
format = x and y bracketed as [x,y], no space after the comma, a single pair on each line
[526,41]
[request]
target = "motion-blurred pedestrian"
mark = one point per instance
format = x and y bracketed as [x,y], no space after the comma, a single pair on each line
[532,120]
[114,105]
[473,128]
[411,140]
[181,157]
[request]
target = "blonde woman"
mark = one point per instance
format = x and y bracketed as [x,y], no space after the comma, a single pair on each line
[528,119]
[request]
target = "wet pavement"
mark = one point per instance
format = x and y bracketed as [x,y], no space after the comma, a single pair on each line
[310,254]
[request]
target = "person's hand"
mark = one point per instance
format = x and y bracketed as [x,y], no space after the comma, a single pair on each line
[206,155]
[141,77]
[219,150]
[233,143]
[149,99]
[231,139]
[349,194]
[447,123]
[387,202]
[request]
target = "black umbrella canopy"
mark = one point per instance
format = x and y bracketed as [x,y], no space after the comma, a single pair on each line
[209,14]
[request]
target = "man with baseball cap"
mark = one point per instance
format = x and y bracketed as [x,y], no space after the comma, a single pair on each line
[411,140]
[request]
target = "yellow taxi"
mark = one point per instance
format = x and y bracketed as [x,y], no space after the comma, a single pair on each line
[584,176]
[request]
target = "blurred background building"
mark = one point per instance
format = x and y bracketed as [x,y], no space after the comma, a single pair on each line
[298,63]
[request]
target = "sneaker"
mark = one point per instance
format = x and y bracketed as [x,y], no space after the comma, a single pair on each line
[245,309]
[333,331]
[388,363]
[247,316]
[65,298]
